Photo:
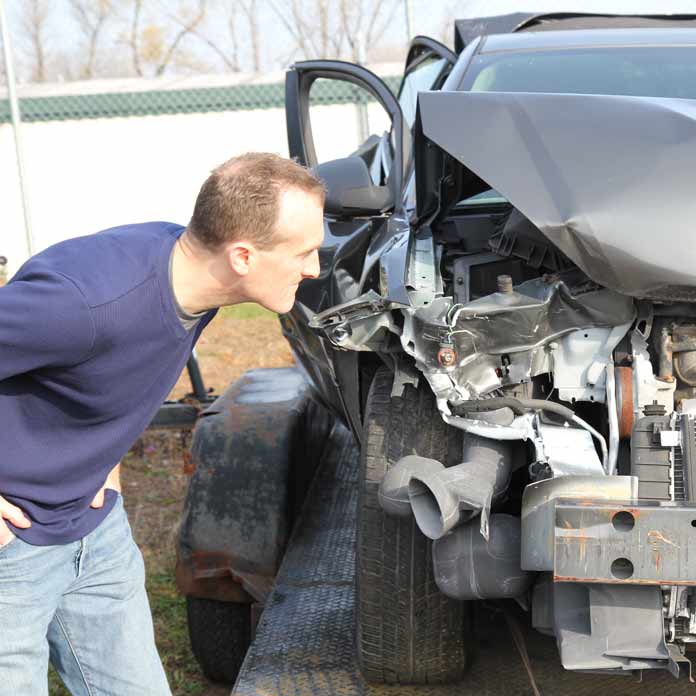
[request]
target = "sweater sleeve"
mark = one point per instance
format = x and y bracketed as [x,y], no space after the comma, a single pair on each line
[44,322]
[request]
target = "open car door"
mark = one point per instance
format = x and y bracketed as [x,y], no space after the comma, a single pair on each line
[345,123]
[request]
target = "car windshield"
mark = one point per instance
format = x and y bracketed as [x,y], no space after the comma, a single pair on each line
[645,71]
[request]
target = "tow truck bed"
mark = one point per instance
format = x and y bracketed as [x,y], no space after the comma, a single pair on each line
[304,642]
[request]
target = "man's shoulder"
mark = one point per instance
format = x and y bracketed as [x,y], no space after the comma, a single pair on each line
[109,264]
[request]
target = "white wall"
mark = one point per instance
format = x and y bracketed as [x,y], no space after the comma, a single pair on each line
[87,175]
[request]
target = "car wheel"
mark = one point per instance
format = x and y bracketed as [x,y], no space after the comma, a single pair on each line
[408,632]
[220,634]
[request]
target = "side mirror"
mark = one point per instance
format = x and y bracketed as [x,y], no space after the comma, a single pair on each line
[350,191]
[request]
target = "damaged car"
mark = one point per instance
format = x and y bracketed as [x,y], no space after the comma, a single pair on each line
[506,319]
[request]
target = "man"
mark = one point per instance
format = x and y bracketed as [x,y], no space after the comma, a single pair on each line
[94,332]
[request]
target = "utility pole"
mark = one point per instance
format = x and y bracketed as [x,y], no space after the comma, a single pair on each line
[16,121]
[363,121]
[408,16]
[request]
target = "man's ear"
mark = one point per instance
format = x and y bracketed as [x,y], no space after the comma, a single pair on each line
[240,257]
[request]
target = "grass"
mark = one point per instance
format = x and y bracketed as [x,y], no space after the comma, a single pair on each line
[247,310]
[169,618]
[55,685]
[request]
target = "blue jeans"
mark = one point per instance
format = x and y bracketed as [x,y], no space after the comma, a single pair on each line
[84,605]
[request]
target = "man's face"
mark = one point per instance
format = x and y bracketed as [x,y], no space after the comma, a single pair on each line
[277,271]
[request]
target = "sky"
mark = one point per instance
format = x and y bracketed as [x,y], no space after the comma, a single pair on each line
[430,17]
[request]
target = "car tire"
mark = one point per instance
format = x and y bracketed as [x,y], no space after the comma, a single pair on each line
[408,632]
[220,634]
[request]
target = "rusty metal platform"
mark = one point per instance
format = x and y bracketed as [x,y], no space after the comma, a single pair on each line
[304,642]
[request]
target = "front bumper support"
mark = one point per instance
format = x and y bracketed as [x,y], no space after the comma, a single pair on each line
[632,543]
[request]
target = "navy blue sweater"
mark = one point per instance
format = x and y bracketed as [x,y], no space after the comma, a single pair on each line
[90,346]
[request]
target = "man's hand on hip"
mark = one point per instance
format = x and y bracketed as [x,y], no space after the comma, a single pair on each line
[13,514]
[113,481]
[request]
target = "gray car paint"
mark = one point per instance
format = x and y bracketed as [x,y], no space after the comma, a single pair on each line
[616,197]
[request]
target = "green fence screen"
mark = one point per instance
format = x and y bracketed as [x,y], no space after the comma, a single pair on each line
[176,101]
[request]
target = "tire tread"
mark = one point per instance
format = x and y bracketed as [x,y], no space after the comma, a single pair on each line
[220,634]
[408,632]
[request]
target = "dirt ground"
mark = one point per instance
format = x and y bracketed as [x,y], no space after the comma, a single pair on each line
[238,339]
[154,485]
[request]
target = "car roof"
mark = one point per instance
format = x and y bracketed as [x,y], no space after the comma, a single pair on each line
[581,38]
[466,30]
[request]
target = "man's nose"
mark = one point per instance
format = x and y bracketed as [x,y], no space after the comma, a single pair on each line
[311,270]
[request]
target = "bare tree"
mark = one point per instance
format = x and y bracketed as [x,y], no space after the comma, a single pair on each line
[227,48]
[335,28]
[445,33]
[91,16]
[154,42]
[312,26]
[33,23]
[175,35]
[133,37]
[250,10]
[188,22]
[229,57]
[363,22]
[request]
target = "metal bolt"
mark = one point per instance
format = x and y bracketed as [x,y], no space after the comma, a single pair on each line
[340,334]
[446,356]
[504,283]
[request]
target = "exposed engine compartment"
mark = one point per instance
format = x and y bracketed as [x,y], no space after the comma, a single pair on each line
[553,332]
[595,391]
[573,495]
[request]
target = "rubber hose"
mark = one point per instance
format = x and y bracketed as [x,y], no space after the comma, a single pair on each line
[518,406]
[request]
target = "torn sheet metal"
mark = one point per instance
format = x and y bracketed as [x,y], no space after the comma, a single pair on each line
[501,339]
[360,324]
[616,197]
[568,451]
[423,279]
[391,247]
[647,388]
[534,312]
[580,360]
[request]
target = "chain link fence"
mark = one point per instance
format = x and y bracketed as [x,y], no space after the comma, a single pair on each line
[154,102]
[102,153]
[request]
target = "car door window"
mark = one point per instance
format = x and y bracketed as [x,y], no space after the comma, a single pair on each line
[422,77]
[346,119]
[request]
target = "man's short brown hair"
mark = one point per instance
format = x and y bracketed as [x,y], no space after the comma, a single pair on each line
[242,198]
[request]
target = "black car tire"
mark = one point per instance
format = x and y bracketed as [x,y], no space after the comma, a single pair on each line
[220,634]
[408,632]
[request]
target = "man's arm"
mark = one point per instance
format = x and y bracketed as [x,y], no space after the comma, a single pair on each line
[44,321]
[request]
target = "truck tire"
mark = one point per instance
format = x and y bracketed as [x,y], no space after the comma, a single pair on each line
[220,634]
[408,632]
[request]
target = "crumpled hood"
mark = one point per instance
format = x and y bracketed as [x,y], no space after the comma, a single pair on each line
[611,181]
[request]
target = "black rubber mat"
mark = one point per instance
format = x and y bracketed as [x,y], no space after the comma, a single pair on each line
[304,641]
